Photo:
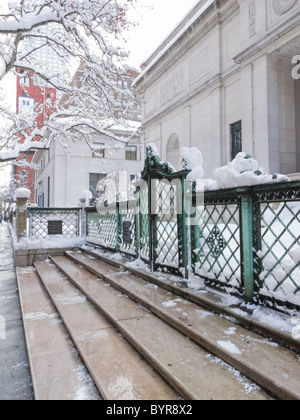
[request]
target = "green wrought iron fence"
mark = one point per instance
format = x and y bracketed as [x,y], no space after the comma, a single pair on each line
[128,228]
[276,232]
[166,235]
[243,240]
[143,239]
[162,224]
[113,227]
[216,240]
[248,240]
[102,226]
[54,223]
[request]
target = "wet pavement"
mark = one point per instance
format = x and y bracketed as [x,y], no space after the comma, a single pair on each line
[15,379]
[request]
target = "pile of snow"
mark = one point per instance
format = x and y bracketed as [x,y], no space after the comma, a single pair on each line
[85,197]
[138,265]
[22,193]
[2,66]
[60,243]
[13,207]
[152,152]
[241,172]
[192,160]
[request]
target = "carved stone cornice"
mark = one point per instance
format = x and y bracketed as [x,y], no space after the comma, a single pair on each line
[191,36]
[271,37]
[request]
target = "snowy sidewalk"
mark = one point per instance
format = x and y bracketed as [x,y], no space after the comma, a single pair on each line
[15,381]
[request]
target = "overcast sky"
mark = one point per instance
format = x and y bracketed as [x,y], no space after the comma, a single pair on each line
[155,23]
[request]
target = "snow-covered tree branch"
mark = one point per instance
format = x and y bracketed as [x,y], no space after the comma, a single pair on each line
[82,33]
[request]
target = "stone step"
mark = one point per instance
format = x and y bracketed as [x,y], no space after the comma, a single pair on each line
[57,370]
[192,371]
[273,367]
[211,300]
[117,369]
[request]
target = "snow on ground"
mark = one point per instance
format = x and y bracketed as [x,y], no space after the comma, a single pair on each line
[58,242]
[229,346]
[249,386]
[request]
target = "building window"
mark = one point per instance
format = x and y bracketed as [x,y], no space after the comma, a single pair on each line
[99,150]
[24,175]
[94,179]
[131,153]
[236,139]
[25,81]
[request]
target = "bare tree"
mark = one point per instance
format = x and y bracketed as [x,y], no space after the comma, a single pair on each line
[86,32]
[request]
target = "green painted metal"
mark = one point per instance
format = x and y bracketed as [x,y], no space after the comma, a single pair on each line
[247,246]
[244,240]
[278,212]
[102,227]
[166,221]
[127,213]
[216,244]
[118,227]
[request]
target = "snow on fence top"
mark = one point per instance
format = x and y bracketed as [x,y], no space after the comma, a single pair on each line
[22,193]
[86,196]
[243,171]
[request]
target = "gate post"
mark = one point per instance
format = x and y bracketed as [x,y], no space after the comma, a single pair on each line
[183,230]
[118,226]
[152,225]
[137,214]
[22,196]
[247,245]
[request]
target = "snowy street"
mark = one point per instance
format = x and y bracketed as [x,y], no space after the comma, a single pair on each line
[15,381]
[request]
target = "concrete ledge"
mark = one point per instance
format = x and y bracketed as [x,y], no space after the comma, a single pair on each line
[26,258]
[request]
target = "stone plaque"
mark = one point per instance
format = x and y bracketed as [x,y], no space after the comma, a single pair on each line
[55,227]
[127,232]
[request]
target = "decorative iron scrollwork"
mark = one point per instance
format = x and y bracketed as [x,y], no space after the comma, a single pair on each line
[154,162]
[216,242]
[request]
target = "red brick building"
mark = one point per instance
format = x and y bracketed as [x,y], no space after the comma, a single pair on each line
[35,103]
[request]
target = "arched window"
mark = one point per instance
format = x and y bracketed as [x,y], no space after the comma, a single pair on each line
[173,152]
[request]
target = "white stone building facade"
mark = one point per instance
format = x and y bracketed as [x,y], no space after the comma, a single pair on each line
[222,82]
[64,174]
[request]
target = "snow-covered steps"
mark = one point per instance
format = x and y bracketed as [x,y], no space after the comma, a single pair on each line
[263,321]
[57,371]
[117,369]
[272,366]
[192,371]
